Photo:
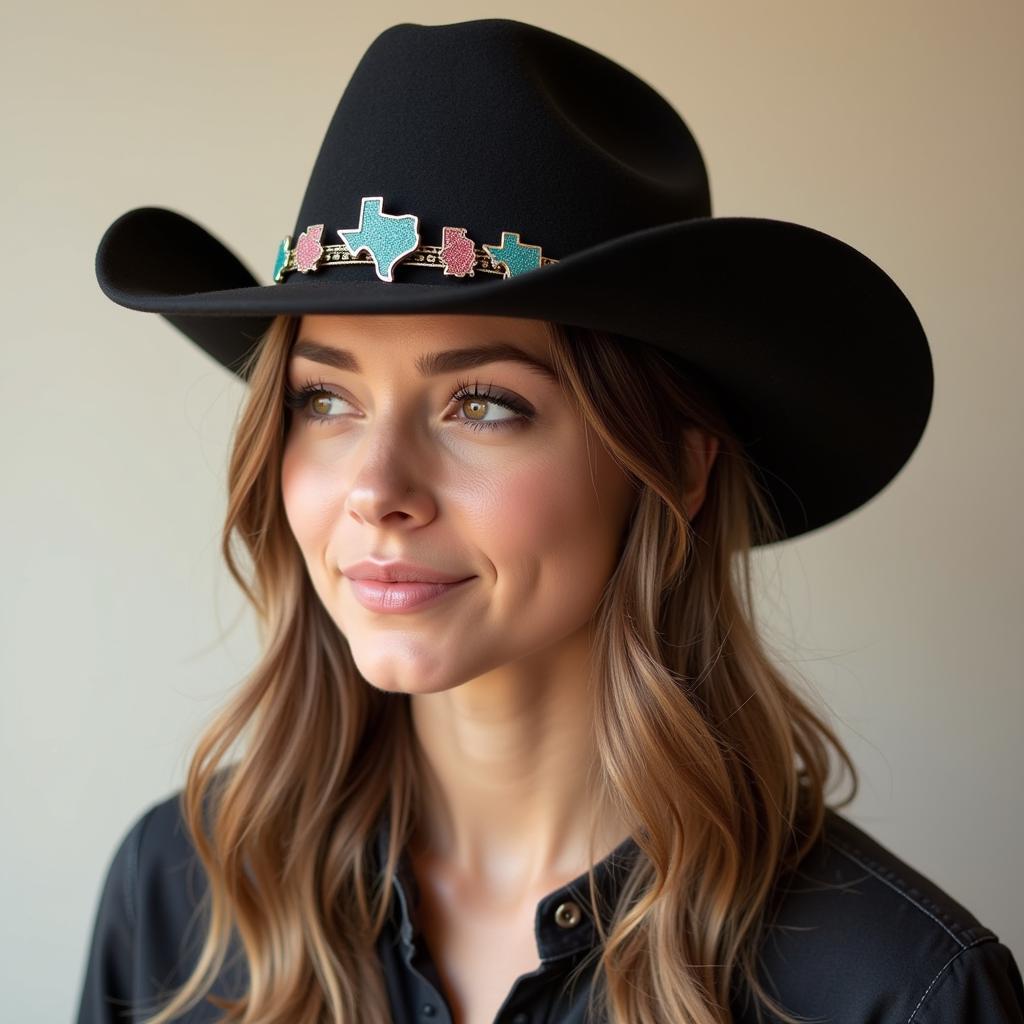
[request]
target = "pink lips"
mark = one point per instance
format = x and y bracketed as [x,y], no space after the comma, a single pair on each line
[379,596]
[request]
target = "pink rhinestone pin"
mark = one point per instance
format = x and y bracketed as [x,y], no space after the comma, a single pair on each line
[308,249]
[458,253]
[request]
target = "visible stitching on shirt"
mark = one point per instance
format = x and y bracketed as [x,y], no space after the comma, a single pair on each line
[844,850]
[942,970]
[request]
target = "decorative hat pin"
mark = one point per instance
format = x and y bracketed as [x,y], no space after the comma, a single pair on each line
[387,237]
[458,253]
[308,250]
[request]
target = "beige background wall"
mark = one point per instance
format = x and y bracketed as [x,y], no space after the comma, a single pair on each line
[895,126]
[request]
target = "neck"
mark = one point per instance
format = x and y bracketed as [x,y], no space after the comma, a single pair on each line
[508,800]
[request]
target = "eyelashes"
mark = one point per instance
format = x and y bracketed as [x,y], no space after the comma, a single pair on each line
[299,400]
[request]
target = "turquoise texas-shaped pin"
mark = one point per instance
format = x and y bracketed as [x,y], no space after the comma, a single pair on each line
[515,255]
[386,236]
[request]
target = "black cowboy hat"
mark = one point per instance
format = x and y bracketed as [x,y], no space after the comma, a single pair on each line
[496,167]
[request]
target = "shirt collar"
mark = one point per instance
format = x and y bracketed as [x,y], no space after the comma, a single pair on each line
[558,934]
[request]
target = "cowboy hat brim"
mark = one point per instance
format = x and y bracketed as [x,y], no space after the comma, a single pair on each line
[818,357]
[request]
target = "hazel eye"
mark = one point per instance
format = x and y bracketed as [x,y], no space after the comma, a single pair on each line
[312,395]
[320,402]
[477,400]
[476,409]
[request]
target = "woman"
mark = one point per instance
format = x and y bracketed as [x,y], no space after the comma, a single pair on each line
[515,750]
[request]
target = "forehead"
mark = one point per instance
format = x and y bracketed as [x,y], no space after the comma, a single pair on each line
[429,330]
[432,344]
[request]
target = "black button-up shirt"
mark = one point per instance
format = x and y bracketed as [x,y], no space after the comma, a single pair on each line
[562,925]
[860,938]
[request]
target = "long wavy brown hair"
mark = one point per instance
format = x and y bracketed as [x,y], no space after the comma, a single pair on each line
[704,744]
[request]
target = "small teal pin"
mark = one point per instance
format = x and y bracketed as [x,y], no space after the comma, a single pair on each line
[387,237]
[516,256]
[282,258]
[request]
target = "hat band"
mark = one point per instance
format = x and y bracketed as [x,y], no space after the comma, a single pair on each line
[390,239]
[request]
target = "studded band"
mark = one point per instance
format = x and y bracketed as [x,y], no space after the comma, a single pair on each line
[391,239]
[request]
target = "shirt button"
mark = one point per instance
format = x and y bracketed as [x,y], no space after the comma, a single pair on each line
[568,914]
[520,1018]
[428,1010]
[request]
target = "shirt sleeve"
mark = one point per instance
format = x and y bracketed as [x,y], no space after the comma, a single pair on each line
[107,989]
[981,983]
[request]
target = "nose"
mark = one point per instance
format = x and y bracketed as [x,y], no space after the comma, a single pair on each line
[386,486]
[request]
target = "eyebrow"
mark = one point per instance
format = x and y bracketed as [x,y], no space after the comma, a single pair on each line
[431,363]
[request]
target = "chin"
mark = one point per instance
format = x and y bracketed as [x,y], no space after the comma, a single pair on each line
[393,685]
[393,672]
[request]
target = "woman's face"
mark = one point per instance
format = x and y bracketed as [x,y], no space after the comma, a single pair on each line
[409,464]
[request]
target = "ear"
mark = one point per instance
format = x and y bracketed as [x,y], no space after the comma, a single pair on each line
[701,450]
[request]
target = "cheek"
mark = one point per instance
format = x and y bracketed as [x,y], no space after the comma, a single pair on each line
[552,527]
[310,501]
